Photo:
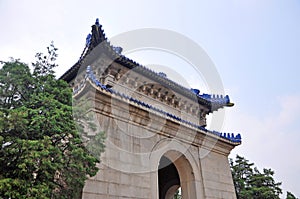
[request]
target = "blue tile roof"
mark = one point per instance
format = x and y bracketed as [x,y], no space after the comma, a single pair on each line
[227,136]
[97,36]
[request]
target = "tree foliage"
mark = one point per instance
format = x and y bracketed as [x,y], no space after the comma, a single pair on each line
[41,152]
[289,195]
[250,183]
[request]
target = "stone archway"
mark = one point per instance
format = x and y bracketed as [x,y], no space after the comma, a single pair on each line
[147,116]
[175,171]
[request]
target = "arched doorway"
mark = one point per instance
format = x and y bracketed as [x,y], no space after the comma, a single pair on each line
[168,179]
[175,173]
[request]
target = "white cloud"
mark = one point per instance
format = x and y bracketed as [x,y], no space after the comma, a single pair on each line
[290,110]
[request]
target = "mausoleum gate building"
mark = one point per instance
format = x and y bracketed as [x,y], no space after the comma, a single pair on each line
[156,136]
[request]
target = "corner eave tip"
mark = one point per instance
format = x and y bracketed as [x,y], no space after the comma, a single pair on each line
[230,104]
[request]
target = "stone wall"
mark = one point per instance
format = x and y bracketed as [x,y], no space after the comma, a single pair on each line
[136,141]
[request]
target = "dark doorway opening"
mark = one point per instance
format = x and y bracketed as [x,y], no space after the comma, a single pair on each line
[168,180]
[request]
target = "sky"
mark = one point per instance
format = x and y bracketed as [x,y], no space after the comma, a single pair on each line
[253,44]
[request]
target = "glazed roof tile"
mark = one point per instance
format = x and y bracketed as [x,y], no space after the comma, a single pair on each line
[97,37]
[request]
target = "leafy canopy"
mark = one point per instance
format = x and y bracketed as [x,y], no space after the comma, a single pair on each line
[41,151]
[250,183]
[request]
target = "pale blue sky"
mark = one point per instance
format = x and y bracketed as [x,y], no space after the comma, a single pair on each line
[254,44]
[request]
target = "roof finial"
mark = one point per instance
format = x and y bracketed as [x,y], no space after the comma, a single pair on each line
[97,22]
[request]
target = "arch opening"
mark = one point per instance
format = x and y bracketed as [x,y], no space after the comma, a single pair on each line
[168,179]
[176,176]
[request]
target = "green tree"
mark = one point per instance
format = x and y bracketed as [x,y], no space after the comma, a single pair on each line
[250,183]
[15,84]
[241,172]
[41,152]
[289,195]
